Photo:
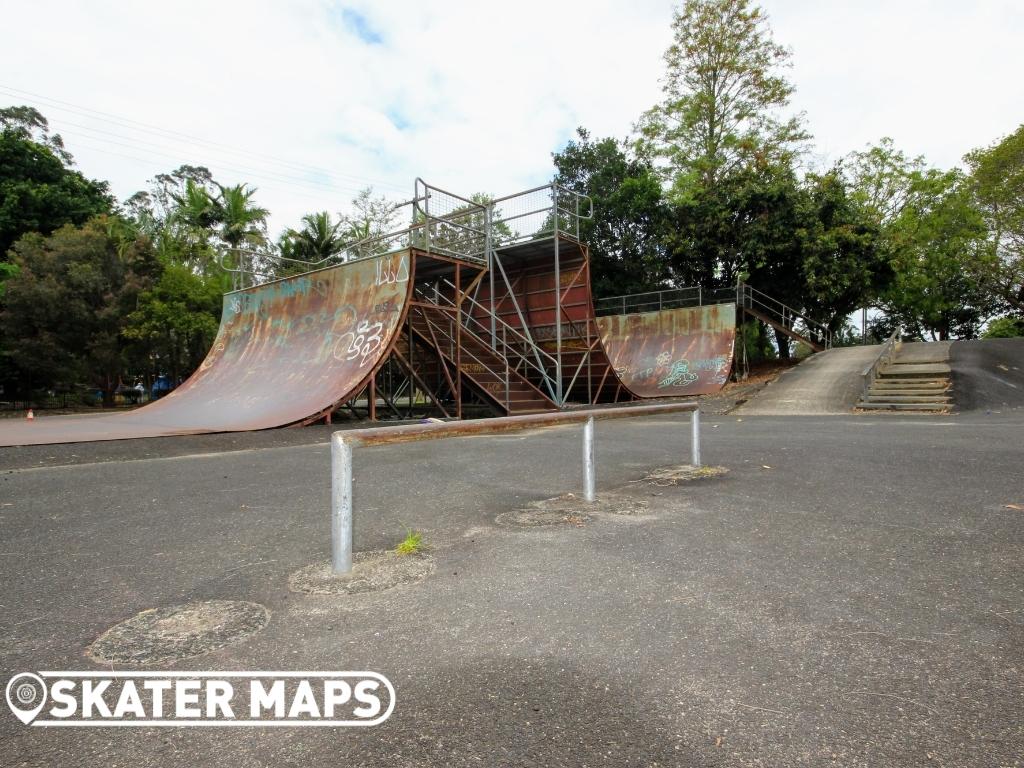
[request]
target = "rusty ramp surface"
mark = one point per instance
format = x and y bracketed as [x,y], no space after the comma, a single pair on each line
[285,351]
[672,352]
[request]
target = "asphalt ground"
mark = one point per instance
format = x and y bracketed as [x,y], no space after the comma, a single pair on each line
[849,593]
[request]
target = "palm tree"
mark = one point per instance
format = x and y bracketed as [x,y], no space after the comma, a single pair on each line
[319,239]
[241,222]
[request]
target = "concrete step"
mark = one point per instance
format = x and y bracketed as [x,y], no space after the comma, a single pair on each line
[911,381]
[932,370]
[906,392]
[903,406]
[887,398]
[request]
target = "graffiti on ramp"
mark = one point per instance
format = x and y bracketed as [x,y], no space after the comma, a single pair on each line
[671,352]
[285,351]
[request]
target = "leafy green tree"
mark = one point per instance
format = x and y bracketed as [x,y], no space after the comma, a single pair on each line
[39,191]
[723,94]
[1004,328]
[938,242]
[626,234]
[175,322]
[997,182]
[845,265]
[240,223]
[319,238]
[65,309]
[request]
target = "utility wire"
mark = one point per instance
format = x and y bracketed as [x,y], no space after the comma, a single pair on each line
[130,124]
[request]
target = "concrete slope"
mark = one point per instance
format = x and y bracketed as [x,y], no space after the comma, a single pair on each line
[825,383]
[285,351]
[988,374]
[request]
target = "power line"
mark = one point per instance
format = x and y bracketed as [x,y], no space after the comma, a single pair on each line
[148,162]
[135,125]
[179,155]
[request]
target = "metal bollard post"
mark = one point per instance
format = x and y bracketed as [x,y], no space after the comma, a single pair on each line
[341,505]
[589,492]
[695,438]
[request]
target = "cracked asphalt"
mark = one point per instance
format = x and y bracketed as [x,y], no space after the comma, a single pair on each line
[848,593]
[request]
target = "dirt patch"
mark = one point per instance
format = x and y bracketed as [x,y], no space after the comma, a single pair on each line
[373,571]
[571,509]
[162,635]
[684,473]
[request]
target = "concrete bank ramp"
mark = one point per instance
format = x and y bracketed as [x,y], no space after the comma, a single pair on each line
[988,374]
[826,383]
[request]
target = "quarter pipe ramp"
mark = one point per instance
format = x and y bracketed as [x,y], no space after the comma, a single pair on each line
[671,352]
[285,351]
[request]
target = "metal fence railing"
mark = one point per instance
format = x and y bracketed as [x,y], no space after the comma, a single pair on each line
[655,301]
[440,222]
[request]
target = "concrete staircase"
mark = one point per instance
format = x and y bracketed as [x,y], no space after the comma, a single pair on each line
[916,379]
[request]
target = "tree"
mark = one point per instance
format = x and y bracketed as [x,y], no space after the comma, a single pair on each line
[65,308]
[844,262]
[997,183]
[723,94]
[1004,328]
[939,248]
[175,322]
[625,236]
[320,238]
[239,222]
[39,192]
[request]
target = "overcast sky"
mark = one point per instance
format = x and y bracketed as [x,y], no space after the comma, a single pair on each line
[311,101]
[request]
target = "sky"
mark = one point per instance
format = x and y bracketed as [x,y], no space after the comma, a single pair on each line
[312,101]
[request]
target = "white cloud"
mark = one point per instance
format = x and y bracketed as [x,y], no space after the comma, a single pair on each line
[470,96]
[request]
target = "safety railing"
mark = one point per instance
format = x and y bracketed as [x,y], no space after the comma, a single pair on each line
[670,298]
[885,354]
[537,214]
[440,222]
[790,319]
[343,443]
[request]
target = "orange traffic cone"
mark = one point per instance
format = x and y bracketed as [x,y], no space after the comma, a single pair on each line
[31,416]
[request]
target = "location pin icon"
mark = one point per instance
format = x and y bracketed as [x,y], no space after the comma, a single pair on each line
[26,695]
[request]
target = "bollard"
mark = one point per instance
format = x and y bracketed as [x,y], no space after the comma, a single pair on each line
[695,438]
[589,491]
[341,505]
[343,443]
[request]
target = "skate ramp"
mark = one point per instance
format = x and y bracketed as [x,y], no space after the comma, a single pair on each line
[285,351]
[988,375]
[826,383]
[671,352]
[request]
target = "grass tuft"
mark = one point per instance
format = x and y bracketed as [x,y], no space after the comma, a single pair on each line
[412,544]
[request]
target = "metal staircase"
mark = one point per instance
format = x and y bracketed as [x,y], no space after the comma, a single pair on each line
[783,318]
[492,367]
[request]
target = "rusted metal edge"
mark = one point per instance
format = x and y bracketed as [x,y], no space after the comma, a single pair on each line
[410,433]
[365,381]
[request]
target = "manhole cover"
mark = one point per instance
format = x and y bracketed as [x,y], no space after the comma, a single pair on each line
[371,572]
[160,635]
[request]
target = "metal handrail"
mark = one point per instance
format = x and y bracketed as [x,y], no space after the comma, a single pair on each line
[505,327]
[816,330]
[507,349]
[344,441]
[885,354]
[449,337]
